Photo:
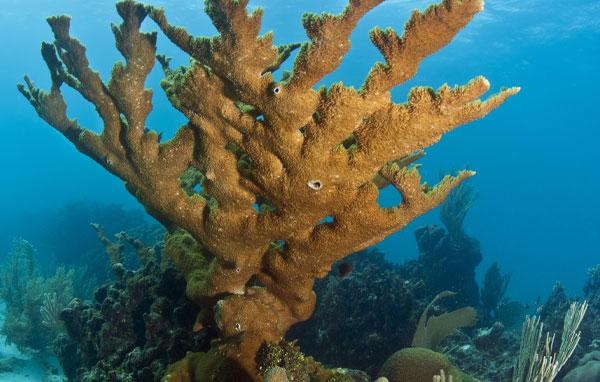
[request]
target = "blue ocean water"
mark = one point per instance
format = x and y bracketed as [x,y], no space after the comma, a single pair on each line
[538,213]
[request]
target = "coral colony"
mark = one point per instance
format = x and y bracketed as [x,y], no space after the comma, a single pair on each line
[269,183]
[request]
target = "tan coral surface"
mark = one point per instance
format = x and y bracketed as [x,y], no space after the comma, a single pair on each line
[300,153]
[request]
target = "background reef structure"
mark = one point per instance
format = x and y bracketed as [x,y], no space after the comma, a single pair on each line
[275,158]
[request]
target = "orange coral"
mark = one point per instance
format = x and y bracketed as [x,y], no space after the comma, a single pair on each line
[306,154]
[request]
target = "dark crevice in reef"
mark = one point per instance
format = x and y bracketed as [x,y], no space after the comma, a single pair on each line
[133,330]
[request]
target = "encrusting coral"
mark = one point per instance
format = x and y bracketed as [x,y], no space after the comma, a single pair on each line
[364,317]
[306,154]
[135,326]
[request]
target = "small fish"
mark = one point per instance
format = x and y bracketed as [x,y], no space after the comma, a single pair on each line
[344,269]
[198,326]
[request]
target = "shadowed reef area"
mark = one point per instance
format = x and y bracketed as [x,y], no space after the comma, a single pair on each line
[135,326]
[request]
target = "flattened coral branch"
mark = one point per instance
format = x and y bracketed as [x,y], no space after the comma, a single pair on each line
[52,108]
[380,180]
[329,42]
[422,120]
[241,62]
[360,224]
[125,147]
[424,34]
[238,55]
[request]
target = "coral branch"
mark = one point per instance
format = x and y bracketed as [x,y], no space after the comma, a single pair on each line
[329,42]
[77,74]
[125,147]
[424,34]
[422,120]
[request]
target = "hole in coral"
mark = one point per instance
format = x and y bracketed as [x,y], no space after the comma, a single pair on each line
[278,245]
[260,117]
[191,181]
[244,107]
[350,142]
[327,219]
[315,184]
[254,282]
[316,116]
[81,110]
[163,114]
[389,197]
[283,73]
[263,205]
[244,161]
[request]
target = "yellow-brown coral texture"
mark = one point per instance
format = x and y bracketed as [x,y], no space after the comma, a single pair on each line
[303,154]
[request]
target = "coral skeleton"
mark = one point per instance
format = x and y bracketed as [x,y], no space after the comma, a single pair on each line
[302,154]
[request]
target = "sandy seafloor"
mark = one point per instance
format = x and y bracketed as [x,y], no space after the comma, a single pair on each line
[17,366]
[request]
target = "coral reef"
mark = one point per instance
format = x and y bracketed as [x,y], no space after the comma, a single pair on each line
[553,311]
[364,317]
[492,293]
[448,258]
[287,356]
[590,327]
[64,237]
[137,325]
[539,359]
[445,264]
[32,300]
[432,329]
[307,154]
[586,370]
[488,354]
[420,365]
[365,314]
